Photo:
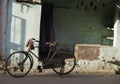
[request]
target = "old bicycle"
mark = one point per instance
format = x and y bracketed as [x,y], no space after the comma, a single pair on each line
[19,63]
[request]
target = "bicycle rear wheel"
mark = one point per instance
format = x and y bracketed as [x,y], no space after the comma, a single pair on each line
[63,63]
[18,64]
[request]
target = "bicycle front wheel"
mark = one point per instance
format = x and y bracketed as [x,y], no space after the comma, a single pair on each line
[63,63]
[18,64]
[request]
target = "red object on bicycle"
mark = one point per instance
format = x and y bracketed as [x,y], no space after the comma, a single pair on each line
[30,44]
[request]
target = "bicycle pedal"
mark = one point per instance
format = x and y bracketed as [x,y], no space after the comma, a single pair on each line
[39,69]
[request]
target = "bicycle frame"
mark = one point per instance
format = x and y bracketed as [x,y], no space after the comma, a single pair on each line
[47,60]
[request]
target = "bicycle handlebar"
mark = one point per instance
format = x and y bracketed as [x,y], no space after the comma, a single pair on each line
[50,44]
[31,46]
[37,41]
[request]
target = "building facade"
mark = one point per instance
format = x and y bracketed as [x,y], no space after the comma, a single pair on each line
[74,22]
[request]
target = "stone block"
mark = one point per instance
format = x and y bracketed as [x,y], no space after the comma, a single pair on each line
[86,51]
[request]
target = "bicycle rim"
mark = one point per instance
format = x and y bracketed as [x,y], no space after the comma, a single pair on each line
[18,64]
[65,63]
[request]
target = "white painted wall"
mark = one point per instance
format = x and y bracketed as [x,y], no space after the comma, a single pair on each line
[23,24]
[109,53]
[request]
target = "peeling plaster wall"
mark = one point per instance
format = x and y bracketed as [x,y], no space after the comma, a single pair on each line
[23,24]
[74,23]
[112,53]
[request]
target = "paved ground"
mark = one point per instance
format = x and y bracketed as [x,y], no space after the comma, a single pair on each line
[77,77]
[75,72]
[52,78]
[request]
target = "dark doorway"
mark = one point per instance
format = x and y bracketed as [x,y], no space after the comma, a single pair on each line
[47,33]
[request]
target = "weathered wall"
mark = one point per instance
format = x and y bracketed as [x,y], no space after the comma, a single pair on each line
[109,54]
[76,23]
[23,24]
[85,24]
[73,23]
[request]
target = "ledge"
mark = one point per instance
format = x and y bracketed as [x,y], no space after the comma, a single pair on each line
[111,38]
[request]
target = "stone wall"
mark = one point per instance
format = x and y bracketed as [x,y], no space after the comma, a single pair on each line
[86,51]
[99,57]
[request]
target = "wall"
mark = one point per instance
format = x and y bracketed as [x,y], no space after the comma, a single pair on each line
[73,23]
[86,24]
[113,53]
[3,20]
[76,23]
[23,24]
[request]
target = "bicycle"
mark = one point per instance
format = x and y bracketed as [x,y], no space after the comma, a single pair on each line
[19,63]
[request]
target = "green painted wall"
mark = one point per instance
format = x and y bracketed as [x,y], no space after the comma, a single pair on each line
[82,23]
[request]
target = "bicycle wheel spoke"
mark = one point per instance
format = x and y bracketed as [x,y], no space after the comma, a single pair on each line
[18,64]
[64,65]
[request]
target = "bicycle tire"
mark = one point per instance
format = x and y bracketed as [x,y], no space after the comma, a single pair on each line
[18,64]
[65,63]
